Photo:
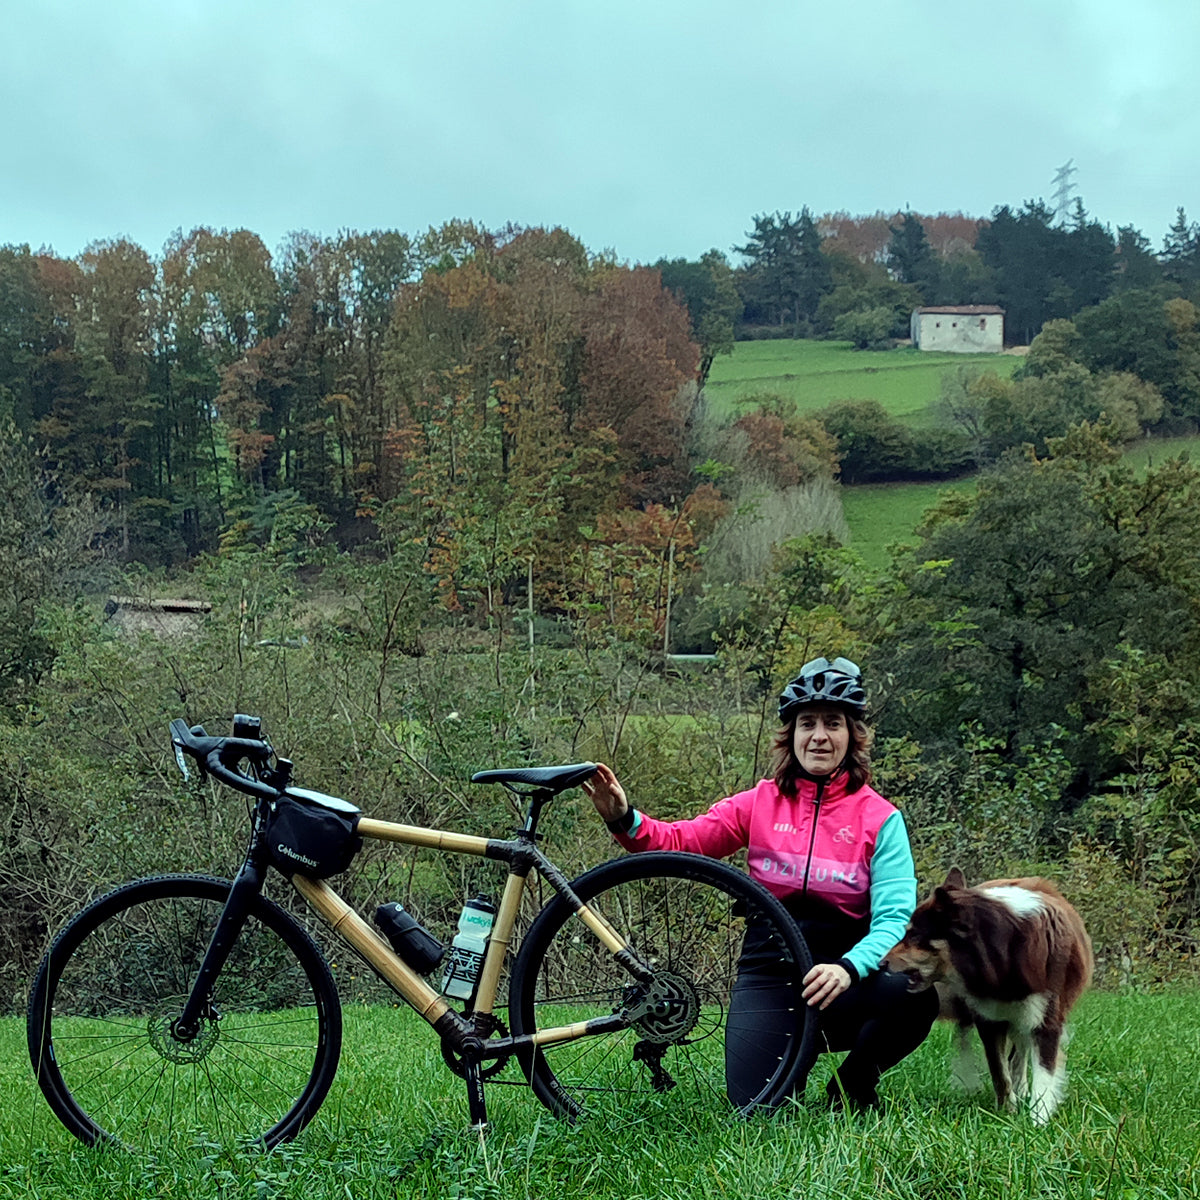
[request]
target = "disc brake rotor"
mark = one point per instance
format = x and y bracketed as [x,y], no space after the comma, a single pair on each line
[665,1010]
[177,1050]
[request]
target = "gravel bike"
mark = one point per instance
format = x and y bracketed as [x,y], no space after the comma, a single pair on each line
[181,1010]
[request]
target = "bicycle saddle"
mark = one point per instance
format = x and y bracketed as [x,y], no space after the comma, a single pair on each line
[551,779]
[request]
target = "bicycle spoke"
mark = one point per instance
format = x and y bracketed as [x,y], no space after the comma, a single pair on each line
[684,919]
[260,1072]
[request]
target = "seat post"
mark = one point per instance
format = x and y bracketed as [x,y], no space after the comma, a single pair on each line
[538,800]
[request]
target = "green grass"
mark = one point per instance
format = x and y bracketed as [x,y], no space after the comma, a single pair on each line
[882,514]
[907,383]
[1153,452]
[815,374]
[395,1125]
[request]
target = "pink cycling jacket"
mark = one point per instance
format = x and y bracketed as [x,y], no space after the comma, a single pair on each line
[853,850]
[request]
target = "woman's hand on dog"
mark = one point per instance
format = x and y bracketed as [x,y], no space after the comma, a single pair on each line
[824,983]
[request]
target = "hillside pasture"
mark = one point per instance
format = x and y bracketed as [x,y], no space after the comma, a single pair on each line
[879,515]
[907,382]
[1149,452]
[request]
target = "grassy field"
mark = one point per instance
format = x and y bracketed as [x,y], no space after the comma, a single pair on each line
[815,374]
[907,383]
[395,1126]
[881,514]
[1153,452]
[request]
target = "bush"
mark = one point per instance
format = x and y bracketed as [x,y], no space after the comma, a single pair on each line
[874,448]
[867,328]
[767,333]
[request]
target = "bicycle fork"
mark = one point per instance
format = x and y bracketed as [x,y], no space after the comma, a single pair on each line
[198,1007]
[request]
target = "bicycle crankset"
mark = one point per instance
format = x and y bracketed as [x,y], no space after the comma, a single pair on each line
[486,1025]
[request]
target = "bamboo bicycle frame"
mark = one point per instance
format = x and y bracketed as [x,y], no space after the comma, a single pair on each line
[468,1040]
[522,856]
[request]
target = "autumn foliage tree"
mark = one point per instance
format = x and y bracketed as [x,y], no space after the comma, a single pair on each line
[561,388]
[638,357]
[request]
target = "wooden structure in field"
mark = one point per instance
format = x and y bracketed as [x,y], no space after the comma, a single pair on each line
[164,618]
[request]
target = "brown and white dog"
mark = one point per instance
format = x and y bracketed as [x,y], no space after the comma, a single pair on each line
[1010,957]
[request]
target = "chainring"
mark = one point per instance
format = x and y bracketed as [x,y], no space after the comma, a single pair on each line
[486,1025]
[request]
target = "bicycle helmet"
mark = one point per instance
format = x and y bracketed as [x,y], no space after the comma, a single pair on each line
[823,682]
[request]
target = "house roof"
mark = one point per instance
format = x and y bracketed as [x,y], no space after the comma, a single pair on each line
[140,604]
[966,310]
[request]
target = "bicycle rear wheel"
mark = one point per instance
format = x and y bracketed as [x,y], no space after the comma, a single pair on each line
[106,996]
[722,1025]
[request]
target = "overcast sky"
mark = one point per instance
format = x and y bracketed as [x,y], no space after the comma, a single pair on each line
[648,127]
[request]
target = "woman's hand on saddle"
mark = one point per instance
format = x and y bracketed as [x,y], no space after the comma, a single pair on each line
[824,983]
[607,794]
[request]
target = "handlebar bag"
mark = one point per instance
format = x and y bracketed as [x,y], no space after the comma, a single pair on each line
[310,839]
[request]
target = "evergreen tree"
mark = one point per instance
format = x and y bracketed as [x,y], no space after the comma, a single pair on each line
[1181,254]
[1136,265]
[911,258]
[1019,248]
[788,273]
[1088,262]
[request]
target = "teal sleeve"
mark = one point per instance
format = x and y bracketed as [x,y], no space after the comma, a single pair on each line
[893,895]
[626,825]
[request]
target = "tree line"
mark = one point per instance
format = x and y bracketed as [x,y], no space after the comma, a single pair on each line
[218,385]
[860,279]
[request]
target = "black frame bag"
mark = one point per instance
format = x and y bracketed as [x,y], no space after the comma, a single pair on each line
[310,839]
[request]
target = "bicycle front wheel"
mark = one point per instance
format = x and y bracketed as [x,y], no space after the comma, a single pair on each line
[102,1012]
[720,1025]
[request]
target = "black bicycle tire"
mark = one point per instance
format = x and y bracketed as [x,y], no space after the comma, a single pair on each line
[105,912]
[654,865]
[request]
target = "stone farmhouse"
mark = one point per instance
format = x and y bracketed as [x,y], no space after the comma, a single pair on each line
[959,328]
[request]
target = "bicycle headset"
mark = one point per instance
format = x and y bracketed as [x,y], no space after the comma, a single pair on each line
[823,682]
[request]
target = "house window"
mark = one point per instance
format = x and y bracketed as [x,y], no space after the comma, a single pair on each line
[983,322]
[953,324]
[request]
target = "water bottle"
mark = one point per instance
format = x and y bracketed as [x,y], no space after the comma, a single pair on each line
[411,940]
[465,960]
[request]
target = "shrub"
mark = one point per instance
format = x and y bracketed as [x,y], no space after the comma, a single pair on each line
[867,328]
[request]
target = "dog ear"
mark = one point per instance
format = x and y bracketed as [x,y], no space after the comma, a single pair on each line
[955,879]
[949,917]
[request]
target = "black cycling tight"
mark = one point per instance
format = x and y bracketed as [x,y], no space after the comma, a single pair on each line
[877,1019]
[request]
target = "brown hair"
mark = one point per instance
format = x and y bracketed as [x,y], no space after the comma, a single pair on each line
[857,763]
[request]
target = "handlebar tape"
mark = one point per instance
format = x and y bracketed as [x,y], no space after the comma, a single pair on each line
[220,757]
